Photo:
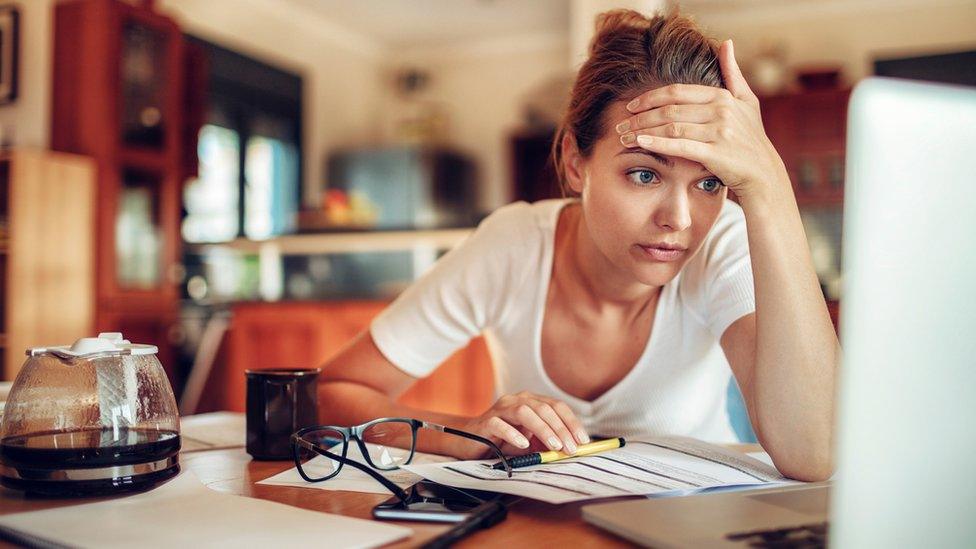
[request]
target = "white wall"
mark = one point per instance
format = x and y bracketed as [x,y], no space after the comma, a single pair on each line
[851,33]
[582,21]
[26,121]
[483,88]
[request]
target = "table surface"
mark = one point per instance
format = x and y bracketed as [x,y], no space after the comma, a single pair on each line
[232,471]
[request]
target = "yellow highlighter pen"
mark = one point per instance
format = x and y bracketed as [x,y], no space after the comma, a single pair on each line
[547,457]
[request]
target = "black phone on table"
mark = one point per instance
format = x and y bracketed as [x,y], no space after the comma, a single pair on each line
[432,502]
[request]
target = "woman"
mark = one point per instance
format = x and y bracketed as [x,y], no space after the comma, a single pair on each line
[620,311]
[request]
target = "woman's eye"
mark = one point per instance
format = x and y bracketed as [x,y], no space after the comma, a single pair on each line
[642,177]
[710,185]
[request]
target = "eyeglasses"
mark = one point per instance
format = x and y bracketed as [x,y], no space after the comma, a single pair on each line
[389,437]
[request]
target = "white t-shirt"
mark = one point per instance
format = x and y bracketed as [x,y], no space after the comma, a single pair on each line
[495,283]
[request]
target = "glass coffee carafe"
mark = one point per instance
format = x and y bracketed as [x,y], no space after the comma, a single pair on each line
[98,417]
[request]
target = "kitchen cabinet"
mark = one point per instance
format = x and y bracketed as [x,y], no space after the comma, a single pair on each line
[307,334]
[118,96]
[809,130]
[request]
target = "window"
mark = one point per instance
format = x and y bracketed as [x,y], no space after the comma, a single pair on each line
[250,151]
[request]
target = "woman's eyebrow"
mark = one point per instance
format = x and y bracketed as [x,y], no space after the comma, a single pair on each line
[662,159]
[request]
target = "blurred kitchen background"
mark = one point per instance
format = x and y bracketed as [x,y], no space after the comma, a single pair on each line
[246,183]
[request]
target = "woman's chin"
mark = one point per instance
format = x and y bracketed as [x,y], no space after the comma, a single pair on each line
[656,275]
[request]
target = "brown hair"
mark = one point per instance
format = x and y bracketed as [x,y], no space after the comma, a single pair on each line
[630,54]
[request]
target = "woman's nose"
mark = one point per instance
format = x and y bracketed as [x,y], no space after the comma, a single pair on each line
[674,213]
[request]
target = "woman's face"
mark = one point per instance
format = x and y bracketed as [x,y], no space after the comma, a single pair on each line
[646,213]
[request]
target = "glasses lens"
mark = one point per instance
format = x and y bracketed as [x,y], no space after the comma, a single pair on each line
[315,465]
[389,444]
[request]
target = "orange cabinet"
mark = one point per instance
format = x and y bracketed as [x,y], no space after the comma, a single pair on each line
[809,131]
[307,334]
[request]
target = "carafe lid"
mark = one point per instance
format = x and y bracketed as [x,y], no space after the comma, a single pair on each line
[107,343]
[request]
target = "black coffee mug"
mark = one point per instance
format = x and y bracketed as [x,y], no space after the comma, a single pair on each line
[279,402]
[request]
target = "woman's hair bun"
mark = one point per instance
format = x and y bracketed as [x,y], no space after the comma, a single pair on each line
[618,22]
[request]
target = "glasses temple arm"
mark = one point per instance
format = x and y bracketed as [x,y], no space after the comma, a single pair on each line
[485,441]
[397,491]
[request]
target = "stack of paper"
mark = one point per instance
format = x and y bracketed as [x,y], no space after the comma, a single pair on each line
[664,466]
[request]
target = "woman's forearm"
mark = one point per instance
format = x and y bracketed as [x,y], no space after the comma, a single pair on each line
[349,403]
[797,352]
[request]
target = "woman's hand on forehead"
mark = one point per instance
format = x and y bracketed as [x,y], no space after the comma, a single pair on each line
[717,127]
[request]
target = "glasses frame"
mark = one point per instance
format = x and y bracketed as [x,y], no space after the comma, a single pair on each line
[356,433]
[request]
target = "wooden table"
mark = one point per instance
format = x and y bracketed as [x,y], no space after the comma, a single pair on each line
[232,471]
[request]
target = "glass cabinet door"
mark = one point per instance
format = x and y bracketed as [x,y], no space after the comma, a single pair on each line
[138,234]
[143,86]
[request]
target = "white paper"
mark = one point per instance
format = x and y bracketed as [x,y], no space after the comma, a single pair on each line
[763,457]
[185,513]
[212,431]
[350,478]
[659,467]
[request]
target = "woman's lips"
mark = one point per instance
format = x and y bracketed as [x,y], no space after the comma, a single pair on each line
[662,254]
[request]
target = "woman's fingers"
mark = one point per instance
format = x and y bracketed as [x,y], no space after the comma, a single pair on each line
[571,421]
[549,415]
[676,130]
[684,148]
[526,416]
[734,80]
[499,428]
[518,420]
[675,94]
[669,113]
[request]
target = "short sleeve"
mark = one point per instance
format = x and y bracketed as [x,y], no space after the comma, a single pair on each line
[466,291]
[717,284]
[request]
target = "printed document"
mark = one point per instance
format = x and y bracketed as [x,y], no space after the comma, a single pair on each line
[665,466]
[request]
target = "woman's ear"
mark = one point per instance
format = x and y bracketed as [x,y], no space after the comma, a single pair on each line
[572,164]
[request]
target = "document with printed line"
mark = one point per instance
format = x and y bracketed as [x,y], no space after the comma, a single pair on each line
[665,466]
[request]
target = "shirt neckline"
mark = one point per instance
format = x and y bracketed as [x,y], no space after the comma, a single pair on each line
[549,258]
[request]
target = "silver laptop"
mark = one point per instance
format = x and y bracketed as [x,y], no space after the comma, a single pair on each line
[906,446]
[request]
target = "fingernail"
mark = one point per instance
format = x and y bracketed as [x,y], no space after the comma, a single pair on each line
[633,104]
[522,442]
[583,437]
[570,448]
[628,138]
[555,444]
[623,126]
[645,140]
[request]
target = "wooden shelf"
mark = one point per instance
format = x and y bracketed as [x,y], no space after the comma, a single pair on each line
[338,243]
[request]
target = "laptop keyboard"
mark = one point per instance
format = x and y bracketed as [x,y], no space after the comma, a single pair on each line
[807,535]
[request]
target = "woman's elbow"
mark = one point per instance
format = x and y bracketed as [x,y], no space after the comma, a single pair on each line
[815,466]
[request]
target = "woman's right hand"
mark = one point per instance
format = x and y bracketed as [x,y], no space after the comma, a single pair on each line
[524,422]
